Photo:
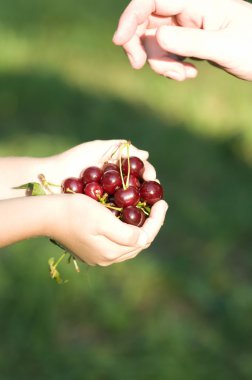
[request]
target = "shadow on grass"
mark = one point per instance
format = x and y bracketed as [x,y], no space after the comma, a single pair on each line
[189,301]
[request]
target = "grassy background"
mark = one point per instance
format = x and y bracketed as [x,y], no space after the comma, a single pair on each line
[183,308]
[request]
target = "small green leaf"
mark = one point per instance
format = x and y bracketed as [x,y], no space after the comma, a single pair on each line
[38,189]
[33,188]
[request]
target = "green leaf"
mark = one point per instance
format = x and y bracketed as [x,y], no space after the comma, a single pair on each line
[33,188]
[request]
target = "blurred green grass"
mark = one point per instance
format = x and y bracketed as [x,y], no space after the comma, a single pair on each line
[182,308]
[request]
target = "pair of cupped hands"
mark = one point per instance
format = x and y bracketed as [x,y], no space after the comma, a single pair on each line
[85,227]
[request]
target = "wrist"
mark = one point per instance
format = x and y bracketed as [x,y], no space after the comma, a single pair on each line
[28,217]
[52,212]
[16,171]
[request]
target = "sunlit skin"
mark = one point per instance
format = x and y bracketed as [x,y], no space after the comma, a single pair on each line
[164,32]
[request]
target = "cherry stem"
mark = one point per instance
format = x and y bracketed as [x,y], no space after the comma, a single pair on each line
[103,198]
[128,156]
[59,260]
[112,207]
[70,191]
[123,145]
[120,166]
[46,184]
[116,149]
[146,209]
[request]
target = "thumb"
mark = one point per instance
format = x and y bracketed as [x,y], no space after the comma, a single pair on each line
[190,42]
[122,233]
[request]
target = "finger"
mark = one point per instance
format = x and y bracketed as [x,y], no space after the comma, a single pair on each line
[191,42]
[138,11]
[164,63]
[149,173]
[155,221]
[173,69]
[135,52]
[156,21]
[131,255]
[135,14]
[115,253]
[122,233]
[151,227]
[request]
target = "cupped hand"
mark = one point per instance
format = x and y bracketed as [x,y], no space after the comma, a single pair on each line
[93,234]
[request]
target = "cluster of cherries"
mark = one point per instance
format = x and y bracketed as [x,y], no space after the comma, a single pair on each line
[120,187]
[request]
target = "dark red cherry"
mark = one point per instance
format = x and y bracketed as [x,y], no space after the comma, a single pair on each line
[126,197]
[111,181]
[91,174]
[133,215]
[151,192]
[136,166]
[110,166]
[72,185]
[93,190]
[133,181]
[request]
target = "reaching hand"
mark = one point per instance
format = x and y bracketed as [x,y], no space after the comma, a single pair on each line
[164,32]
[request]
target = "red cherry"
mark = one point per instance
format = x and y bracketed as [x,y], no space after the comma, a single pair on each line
[133,181]
[72,185]
[93,190]
[91,174]
[127,197]
[133,215]
[111,181]
[151,192]
[110,166]
[136,166]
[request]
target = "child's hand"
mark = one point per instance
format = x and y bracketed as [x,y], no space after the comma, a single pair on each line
[163,31]
[93,234]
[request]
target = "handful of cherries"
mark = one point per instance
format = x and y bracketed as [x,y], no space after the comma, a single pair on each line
[120,187]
